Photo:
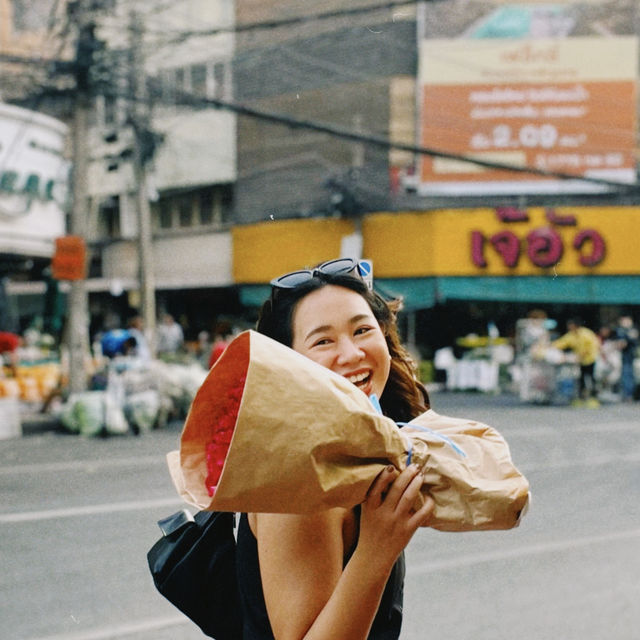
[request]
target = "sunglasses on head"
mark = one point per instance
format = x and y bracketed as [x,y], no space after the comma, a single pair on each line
[341,266]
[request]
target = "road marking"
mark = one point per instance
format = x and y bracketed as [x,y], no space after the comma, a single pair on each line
[599,461]
[92,509]
[119,631]
[520,552]
[141,626]
[83,465]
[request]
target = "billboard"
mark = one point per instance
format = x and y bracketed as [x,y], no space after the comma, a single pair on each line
[504,241]
[33,181]
[512,91]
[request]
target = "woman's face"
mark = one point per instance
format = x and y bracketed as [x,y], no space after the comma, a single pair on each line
[336,328]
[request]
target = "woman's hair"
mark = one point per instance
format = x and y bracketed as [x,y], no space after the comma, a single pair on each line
[404,397]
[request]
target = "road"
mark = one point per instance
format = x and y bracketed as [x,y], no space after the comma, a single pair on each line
[78,516]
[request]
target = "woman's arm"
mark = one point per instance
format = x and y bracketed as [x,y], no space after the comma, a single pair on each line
[307,592]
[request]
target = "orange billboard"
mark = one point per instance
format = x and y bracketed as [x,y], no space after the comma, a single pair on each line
[560,105]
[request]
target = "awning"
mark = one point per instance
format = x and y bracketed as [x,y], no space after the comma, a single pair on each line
[549,289]
[423,293]
[418,293]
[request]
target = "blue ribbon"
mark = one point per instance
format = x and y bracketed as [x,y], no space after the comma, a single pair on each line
[373,398]
[376,405]
[439,436]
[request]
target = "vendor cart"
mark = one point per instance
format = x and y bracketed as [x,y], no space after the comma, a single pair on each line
[544,382]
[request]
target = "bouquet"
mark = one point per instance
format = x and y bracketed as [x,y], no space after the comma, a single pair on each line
[272,431]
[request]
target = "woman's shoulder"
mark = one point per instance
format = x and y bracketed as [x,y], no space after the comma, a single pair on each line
[328,517]
[338,522]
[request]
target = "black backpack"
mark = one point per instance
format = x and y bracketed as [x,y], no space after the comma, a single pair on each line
[194,566]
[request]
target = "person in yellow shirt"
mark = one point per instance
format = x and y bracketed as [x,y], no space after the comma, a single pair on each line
[586,346]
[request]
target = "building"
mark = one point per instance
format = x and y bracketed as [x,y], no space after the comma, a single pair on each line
[464,242]
[247,111]
[34,167]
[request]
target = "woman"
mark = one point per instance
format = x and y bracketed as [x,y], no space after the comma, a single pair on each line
[338,573]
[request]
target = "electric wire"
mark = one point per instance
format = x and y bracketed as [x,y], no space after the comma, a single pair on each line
[375,140]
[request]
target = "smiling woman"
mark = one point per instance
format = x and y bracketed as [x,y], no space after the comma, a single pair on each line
[336,328]
[339,572]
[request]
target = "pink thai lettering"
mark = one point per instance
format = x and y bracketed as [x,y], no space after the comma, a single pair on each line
[511,214]
[507,244]
[477,249]
[544,247]
[598,249]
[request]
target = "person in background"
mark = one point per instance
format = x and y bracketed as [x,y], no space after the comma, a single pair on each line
[608,364]
[112,342]
[627,336]
[585,344]
[222,335]
[9,343]
[170,336]
[135,328]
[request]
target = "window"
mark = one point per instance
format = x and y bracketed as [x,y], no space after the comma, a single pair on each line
[199,79]
[164,214]
[208,207]
[110,111]
[109,217]
[205,80]
[182,80]
[219,77]
[168,86]
[205,208]
[185,212]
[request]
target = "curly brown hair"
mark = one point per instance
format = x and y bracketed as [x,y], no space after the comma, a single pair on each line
[404,397]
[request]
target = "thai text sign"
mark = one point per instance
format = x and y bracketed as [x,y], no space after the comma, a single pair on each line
[564,105]
[504,241]
[70,258]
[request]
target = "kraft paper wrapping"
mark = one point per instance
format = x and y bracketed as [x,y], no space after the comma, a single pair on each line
[271,431]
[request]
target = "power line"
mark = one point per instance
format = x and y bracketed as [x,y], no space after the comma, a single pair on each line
[296,20]
[383,142]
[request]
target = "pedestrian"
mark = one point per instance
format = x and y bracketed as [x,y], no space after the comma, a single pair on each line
[112,342]
[222,336]
[585,344]
[608,363]
[170,336]
[140,348]
[627,337]
[9,343]
[339,572]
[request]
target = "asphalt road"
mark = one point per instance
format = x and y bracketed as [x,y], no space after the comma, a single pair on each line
[78,516]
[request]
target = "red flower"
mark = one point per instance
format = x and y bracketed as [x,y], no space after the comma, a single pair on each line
[223,426]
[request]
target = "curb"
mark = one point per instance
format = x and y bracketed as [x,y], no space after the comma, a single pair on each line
[37,423]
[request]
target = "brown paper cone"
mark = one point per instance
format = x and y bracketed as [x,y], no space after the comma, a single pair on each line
[306,439]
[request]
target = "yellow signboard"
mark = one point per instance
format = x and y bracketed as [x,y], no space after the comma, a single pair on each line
[504,241]
[265,250]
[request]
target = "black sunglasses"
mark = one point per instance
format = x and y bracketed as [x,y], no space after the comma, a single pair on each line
[341,266]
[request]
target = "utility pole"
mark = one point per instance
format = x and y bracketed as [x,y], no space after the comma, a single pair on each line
[144,146]
[78,324]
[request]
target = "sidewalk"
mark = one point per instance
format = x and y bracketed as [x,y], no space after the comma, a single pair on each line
[34,423]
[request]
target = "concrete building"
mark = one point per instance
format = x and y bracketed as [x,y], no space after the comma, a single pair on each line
[193,169]
[241,195]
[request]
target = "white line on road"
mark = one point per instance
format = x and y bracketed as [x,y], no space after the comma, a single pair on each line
[83,465]
[119,631]
[520,552]
[91,509]
[598,461]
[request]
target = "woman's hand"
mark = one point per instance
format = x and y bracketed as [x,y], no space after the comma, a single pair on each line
[388,519]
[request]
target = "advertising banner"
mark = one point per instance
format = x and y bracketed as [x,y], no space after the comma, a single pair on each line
[498,93]
[505,241]
[33,181]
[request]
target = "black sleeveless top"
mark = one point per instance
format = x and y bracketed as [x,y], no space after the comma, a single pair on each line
[386,625]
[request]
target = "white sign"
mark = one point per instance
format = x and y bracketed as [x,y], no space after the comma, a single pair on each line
[34,179]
